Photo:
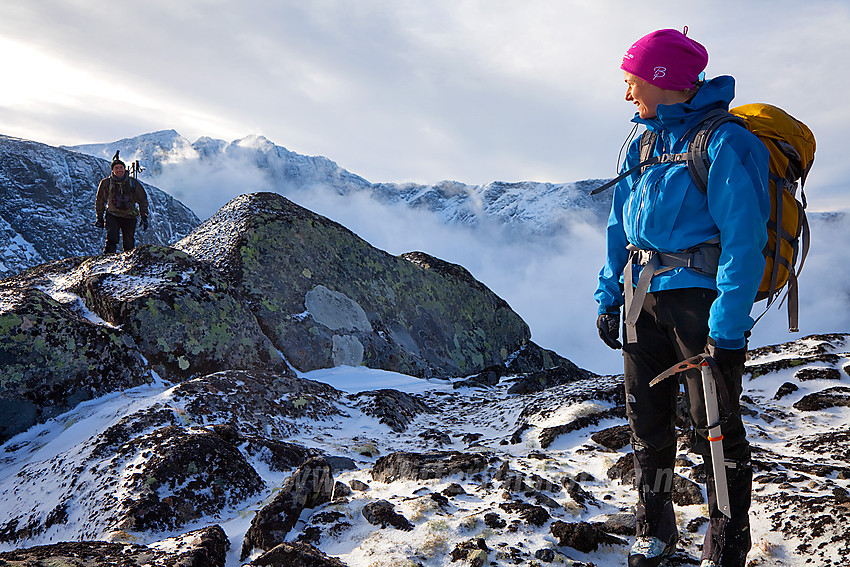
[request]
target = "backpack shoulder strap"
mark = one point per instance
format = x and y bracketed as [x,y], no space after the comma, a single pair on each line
[647,145]
[697,156]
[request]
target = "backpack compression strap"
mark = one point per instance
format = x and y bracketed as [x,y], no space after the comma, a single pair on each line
[696,156]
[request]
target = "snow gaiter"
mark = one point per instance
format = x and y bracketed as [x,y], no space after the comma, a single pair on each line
[654,483]
[728,540]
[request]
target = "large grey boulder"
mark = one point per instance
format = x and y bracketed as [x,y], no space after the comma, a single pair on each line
[325,297]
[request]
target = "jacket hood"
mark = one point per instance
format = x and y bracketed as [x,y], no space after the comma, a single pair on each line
[679,118]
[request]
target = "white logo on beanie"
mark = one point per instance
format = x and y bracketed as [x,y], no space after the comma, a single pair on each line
[659,72]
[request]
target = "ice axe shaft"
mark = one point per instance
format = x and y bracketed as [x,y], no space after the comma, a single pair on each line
[712,413]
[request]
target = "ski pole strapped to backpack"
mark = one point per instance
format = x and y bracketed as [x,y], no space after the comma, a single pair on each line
[792,151]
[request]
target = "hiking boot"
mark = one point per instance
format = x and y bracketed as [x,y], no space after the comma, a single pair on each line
[649,551]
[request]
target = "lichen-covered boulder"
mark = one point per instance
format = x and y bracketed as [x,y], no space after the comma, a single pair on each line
[182,316]
[325,297]
[185,475]
[52,358]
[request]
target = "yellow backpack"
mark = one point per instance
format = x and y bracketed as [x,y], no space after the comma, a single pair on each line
[792,151]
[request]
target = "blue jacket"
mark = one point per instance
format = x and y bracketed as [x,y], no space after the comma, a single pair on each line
[663,210]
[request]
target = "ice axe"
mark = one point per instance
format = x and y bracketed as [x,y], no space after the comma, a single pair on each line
[707,365]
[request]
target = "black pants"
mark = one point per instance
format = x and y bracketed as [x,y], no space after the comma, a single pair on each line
[119,226]
[673,326]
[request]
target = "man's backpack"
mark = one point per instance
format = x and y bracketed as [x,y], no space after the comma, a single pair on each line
[792,151]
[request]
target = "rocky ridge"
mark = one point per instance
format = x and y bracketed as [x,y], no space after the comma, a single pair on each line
[466,481]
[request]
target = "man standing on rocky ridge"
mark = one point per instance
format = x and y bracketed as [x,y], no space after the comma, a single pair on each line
[117,197]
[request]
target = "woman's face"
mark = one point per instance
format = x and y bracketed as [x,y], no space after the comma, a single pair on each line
[645,96]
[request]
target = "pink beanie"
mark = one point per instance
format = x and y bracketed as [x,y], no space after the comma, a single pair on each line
[667,59]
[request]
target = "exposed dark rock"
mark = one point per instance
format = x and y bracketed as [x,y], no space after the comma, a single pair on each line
[541,379]
[359,485]
[454,489]
[545,555]
[614,438]
[785,389]
[382,513]
[695,524]
[581,536]
[391,407]
[534,515]
[425,466]
[53,358]
[266,405]
[623,523]
[310,486]
[624,468]
[325,297]
[549,434]
[831,397]
[686,492]
[817,373]
[278,455]
[494,521]
[206,547]
[296,554]
[475,551]
[341,490]
[341,463]
[188,474]
[581,496]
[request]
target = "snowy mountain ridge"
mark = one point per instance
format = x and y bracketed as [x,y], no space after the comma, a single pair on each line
[531,207]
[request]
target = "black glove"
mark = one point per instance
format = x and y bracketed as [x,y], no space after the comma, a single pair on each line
[144,222]
[730,362]
[100,223]
[609,329]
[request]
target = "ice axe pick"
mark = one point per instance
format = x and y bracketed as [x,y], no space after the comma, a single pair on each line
[715,437]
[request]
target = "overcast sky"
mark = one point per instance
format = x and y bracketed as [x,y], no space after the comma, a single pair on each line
[397,90]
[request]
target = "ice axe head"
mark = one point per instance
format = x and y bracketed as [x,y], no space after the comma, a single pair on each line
[687,364]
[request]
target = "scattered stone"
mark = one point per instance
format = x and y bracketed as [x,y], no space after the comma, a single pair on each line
[577,493]
[837,396]
[426,466]
[785,389]
[494,521]
[817,373]
[358,485]
[686,492]
[475,551]
[549,434]
[543,500]
[382,513]
[623,523]
[581,536]
[436,436]
[614,438]
[295,554]
[309,486]
[695,524]
[534,515]
[454,489]
[624,468]
[341,464]
[392,408]
[341,490]
[545,555]
[555,376]
[206,547]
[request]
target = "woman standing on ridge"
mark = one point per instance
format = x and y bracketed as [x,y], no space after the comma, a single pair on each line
[660,212]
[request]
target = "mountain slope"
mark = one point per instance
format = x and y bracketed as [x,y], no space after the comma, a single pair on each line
[47,206]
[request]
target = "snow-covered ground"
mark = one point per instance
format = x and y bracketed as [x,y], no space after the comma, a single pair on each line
[36,466]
